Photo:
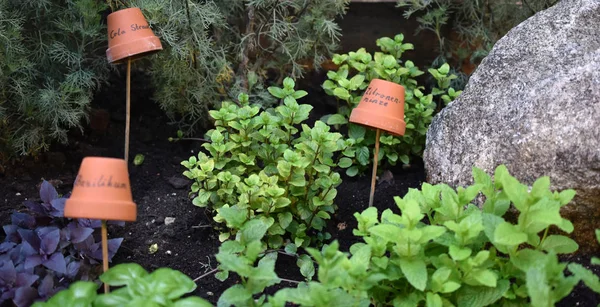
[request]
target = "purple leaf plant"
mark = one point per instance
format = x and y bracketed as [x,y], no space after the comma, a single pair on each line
[43,252]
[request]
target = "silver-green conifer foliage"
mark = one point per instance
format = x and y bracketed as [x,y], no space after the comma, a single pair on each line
[51,61]
[216,49]
[53,58]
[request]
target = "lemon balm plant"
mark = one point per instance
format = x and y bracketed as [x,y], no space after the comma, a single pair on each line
[445,250]
[439,250]
[347,84]
[269,165]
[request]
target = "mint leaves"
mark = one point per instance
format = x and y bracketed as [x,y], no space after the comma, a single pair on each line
[440,250]
[348,83]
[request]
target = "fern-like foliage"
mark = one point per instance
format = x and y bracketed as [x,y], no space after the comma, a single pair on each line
[186,73]
[213,50]
[51,61]
[53,57]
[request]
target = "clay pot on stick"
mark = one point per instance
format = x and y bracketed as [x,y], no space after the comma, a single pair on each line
[102,191]
[129,37]
[382,108]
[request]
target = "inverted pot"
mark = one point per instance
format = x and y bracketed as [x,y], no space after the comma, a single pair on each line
[102,191]
[381,107]
[130,36]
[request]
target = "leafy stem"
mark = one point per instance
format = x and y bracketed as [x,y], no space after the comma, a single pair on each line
[310,171]
[543,238]
[314,212]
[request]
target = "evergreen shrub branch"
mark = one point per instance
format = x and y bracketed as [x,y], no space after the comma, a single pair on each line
[51,62]
[217,49]
[53,58]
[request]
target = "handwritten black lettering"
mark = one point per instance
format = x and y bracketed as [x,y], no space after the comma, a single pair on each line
[99,182]
[135,27]
[373,92]
[115,33]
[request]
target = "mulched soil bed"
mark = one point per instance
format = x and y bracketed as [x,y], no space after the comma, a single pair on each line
[190,242]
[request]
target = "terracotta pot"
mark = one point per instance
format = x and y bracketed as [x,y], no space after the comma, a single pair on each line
[102,191]
[129,35]
[381,107]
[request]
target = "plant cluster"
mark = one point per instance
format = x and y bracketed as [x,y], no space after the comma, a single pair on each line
[247,256]
[215,49]
[51,63]
[43,251]
[476,25]
[260,165]
[355,72]
[441,250]
[54,58]
[590,279]
[162,287]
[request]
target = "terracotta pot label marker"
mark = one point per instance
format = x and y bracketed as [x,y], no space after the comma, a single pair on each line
[382,108]
[102,191]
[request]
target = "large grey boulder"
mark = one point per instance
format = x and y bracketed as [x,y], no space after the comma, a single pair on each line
[534,105]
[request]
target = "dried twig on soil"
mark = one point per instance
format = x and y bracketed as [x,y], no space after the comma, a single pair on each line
[206,274]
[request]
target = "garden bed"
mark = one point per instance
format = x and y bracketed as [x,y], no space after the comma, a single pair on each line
[189,242]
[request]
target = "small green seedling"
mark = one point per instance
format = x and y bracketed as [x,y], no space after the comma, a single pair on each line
[138,160]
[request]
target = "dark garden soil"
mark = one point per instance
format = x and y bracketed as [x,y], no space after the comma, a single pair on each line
[185,234]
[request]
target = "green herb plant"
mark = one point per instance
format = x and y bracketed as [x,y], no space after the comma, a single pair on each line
[248,257]
[260,165]
[474,26]
[588,277]
[138,159]
[348,83]
[162,287]
[441,250]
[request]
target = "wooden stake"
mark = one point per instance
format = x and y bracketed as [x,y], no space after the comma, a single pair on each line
[374,176]
[128,110]
[105,253]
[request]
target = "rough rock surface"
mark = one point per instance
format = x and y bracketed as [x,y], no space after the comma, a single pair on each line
[534,105]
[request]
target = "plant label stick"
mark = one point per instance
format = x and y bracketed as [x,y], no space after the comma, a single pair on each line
[382,108]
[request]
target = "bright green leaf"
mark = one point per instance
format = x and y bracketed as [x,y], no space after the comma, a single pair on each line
[559,244]
[415,271]
[337,119]
[508,234]
[345,162]
[480,296]
[192,301]
[237,295]
[307,268]
[352,171]
[123,274]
